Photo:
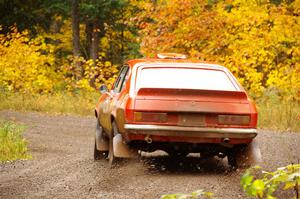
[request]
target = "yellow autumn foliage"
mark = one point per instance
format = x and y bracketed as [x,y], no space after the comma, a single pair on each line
[262,46]
[30,65]
[258,41]
[91,75]
[27,65]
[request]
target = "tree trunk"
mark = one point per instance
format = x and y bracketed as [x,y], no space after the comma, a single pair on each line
[122,35]
[94,50]
[75,34]
[88,37]
[75,28]
[97,34]
[95,42]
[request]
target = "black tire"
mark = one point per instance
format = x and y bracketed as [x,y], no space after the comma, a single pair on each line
[232,160]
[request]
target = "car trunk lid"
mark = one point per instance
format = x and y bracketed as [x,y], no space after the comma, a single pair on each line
[192,101]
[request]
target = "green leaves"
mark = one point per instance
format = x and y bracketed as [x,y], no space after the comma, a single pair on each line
[257,188]
[246,179]
[253,188]
[263,184]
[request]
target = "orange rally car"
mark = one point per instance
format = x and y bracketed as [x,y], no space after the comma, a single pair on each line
[179,106]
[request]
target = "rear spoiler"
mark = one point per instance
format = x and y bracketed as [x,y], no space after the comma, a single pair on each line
[192,94]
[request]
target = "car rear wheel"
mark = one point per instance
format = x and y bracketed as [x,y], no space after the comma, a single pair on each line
[232,161]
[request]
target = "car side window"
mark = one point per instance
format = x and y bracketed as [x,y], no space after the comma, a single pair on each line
[121,79]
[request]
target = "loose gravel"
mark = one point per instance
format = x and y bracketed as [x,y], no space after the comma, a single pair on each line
[63,167]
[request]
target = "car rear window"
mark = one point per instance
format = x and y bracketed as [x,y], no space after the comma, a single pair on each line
[184,78]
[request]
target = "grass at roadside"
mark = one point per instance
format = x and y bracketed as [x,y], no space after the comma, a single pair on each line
[12,144]
[274,113]
[61,102]
[281,115]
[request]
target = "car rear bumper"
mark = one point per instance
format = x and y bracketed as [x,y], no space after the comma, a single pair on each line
[196,132]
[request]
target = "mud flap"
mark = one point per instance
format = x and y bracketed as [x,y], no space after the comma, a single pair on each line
[249,156]
[121,149]
[101,143]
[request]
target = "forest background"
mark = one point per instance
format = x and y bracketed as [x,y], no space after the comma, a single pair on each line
[55,54]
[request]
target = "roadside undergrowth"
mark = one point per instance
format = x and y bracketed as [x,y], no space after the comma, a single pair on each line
[12,145]
[279,114]
[82,103]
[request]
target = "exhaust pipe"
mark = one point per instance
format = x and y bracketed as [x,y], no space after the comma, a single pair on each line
[226,140]
[221,155]
[148,139]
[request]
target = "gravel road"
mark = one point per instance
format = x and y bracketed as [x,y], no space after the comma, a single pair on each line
[63,165]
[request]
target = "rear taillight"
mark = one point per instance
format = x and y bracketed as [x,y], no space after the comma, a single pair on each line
[150,117]
[234,119]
